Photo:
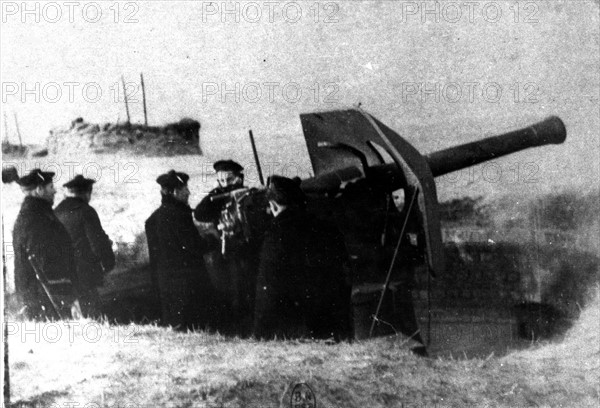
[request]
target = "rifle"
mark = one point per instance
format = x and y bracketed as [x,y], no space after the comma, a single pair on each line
[236,194]
[44,281]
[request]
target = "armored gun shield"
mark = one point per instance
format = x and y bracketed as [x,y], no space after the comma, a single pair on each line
[351,144]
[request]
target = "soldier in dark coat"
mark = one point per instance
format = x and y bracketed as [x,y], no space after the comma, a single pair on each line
[176,251]
[39,235]
[233,269]
[329,288]
[93,249]
[301,289]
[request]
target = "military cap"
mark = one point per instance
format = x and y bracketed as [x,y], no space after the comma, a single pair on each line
[228,165]
[36,178]
[172,180]
[285,191]
[9,174]
[79,183]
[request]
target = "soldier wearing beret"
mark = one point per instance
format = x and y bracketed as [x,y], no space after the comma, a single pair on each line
[233,269]
[176,257]
[230,176]
[42,246]
[92,247]
[301,289]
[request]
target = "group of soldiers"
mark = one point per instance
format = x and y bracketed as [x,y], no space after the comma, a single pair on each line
[288,283]
[61,255]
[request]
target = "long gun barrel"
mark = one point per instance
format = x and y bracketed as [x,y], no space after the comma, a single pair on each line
[550,131]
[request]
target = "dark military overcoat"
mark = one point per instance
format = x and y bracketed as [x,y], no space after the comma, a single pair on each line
[233,273]
[38,232]
[92,248]
[301,288]
[176,259]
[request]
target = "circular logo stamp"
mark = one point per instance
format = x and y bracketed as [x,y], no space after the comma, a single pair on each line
[303,397]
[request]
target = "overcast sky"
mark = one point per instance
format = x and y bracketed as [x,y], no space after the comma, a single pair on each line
[437,76]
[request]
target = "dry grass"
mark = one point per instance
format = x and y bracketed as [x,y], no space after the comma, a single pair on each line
[572,365]
[148,366]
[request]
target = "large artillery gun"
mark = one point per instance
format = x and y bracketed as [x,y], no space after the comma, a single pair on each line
[359,166]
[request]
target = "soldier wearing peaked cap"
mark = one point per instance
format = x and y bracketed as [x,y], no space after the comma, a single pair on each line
[92,247]
[176,257]
[230,176]
[233,269]
[42,243]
